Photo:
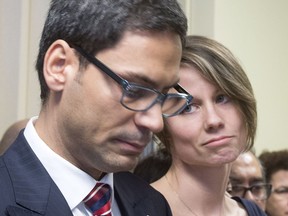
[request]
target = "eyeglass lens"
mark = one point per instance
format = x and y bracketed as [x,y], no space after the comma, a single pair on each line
[259,191]
[139,98]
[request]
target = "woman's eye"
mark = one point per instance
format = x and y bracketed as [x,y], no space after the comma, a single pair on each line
[281,190]
[222,99]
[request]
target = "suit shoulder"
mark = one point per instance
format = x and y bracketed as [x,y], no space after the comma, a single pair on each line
[130,179]
[133,192]
[131,182]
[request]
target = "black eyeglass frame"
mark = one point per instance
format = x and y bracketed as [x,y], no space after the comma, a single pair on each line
[268,188]
[125,85]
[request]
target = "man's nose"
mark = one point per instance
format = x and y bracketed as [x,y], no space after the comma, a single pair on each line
[248,195]
[151,119]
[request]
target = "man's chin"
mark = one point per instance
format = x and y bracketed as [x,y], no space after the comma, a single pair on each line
[125,163]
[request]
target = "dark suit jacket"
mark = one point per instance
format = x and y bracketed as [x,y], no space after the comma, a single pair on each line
[27,189]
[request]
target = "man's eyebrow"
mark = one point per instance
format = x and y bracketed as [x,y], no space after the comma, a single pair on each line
[256,180]
[142,79]
[235,179]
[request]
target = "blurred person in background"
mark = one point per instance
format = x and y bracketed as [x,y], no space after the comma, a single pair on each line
[276,169]
[11,133]
[154,166]
[247,179]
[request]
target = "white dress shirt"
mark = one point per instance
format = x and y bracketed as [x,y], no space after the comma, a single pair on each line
[73,183]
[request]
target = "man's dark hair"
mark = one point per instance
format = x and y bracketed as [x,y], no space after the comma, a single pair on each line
[96,25]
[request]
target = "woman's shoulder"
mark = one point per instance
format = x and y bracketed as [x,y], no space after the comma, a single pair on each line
[251,208]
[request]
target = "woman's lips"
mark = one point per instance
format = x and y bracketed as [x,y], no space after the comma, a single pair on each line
[218,141]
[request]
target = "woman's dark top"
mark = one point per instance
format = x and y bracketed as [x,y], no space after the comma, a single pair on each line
[252,208]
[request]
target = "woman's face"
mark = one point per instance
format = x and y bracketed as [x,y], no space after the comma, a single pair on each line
[212,135]
[277,203]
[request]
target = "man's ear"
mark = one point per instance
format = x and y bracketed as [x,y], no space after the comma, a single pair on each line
[58,63]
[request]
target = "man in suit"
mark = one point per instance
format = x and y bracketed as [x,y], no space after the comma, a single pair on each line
[105,68]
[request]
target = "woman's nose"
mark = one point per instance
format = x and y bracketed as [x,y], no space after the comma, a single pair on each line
[213,119]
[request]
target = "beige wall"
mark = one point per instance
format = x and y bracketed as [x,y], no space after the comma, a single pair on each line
[9,60]
[20,29]
[255,31]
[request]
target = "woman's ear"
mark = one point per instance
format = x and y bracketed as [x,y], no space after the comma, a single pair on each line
[58,63]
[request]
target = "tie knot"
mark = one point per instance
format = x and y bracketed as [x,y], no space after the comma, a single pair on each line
[99,200]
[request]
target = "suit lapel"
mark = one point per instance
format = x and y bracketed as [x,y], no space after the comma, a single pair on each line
[136,197]
[130,196]
[17,211]
[32,184]
[125,203]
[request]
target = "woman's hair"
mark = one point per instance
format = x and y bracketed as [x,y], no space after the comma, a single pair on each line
[220,67]
[274,161]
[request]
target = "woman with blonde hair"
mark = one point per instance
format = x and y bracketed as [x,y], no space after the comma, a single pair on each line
[219,124]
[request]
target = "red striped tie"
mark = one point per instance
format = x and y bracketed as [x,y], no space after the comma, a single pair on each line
[99,200]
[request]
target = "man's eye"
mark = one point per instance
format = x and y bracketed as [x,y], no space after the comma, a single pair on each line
[136,92]
[258,188]
[192,108]
[237,189]
[131,94]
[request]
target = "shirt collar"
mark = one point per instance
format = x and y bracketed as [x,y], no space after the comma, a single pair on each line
[66,176]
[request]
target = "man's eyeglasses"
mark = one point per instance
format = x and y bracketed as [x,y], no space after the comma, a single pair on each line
[259,191]
[139,98]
